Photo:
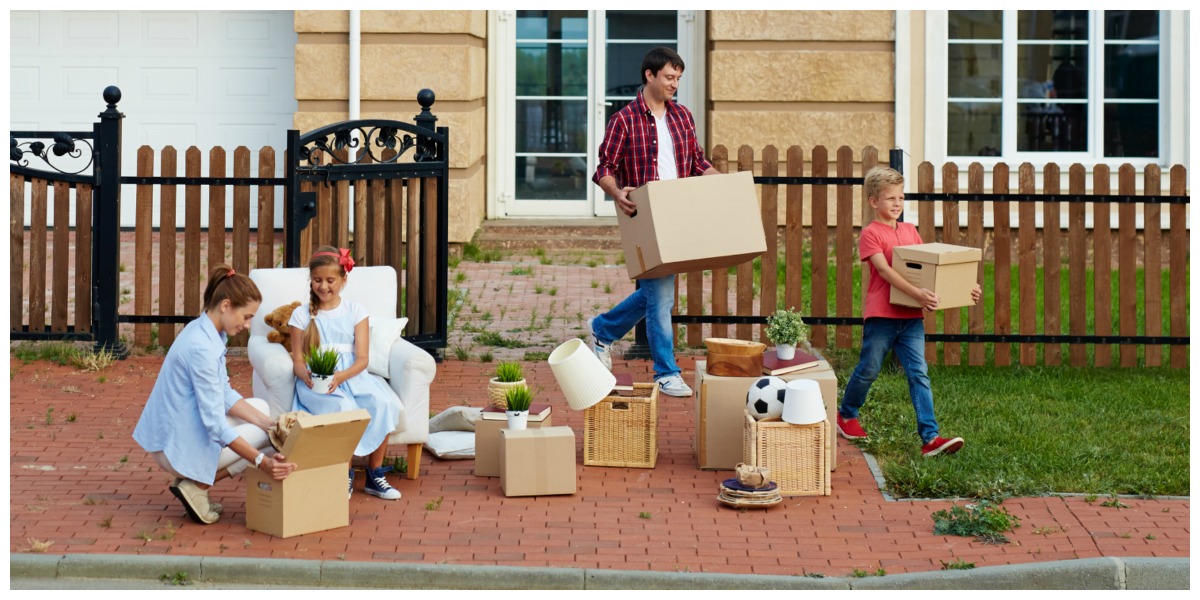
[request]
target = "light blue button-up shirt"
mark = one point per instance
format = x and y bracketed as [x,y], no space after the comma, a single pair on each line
[185,414]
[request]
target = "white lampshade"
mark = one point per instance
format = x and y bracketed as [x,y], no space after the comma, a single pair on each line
[802,403]
[580,374]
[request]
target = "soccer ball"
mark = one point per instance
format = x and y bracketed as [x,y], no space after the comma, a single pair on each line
[765,398]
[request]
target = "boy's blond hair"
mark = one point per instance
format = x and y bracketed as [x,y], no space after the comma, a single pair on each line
[881,177]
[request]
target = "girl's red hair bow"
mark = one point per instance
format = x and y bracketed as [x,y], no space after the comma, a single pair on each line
[343,256]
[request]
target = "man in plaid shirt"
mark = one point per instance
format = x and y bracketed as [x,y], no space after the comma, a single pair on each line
[649,139]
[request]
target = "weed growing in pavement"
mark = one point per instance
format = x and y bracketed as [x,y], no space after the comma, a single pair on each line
[537,289]
[92,501]
[1112,502]
[553,291]
[399,464]
[535,355]
[434,504]
[491,338]
[38,545]
[1090,498]
[520,270]
[106,522]
[59,352]
[101,379]
[1167,510]
[92,360]
[607,288]
[958,565]
[461,353]
[245,543]
[880,572]
[164,533]
[545,260]
[983,521]
[485,356]
[486,316]
[814,575]
[1049,530]
[178,578]
[595,284]
[591,262]
[1151,536]
[222,548]
[100,435]
[859,573]
[474,253]
[460,277]
[50,415]
[71,418]
[121,268]
[645,515]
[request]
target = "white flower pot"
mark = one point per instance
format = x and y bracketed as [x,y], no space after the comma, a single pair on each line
[517,419]
[785,351]
[321,383]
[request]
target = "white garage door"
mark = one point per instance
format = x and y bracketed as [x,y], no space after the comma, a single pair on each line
[202,78]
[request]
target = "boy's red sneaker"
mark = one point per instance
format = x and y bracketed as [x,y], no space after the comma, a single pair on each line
[941,445]
[850,429]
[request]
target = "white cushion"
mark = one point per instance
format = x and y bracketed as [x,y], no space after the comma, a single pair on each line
[452,445]
[455,418]
[384,332]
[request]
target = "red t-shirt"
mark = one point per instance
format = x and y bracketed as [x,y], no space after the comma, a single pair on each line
[879,238]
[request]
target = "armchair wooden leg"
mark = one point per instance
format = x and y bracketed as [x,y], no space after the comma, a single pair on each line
[414,460]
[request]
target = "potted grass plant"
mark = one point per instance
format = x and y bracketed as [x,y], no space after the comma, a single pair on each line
[517,400]
[786,330]
[507,375]
[321,363]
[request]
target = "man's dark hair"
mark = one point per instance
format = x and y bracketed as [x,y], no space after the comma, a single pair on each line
[658,58]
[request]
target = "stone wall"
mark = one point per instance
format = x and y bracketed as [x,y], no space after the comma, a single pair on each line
[401,53]
[801,77]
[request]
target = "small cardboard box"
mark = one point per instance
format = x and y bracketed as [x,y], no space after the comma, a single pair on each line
[721,409]
[537,462]
[487,439]
[313,497]
[692,224]
[949,271]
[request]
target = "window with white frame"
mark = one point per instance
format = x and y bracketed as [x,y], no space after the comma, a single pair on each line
[1087,83]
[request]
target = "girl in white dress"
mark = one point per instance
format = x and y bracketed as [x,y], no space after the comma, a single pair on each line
[330,321]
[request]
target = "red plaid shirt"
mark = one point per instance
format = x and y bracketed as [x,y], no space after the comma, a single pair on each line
[629,152]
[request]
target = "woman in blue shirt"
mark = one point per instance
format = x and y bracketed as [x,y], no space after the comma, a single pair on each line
[195,425]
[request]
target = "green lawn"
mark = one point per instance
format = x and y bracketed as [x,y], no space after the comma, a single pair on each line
[1034,430]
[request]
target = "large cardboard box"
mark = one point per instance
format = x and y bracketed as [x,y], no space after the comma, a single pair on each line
[692,224]
[313,497]
[721,409]
[537,462]
[949,271]
[487,439]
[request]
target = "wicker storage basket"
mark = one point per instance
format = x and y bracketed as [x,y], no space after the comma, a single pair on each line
[496,390]
[622,431]
[794,453]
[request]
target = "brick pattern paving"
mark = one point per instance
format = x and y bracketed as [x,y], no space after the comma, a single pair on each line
[80,483]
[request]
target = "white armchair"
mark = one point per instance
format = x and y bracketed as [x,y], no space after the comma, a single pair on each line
[411,370]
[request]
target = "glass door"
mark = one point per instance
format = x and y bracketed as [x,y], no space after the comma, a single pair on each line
[568,72]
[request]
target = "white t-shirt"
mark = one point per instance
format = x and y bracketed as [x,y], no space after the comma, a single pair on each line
[666,149]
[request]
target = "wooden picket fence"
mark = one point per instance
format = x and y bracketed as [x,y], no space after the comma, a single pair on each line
[833,243]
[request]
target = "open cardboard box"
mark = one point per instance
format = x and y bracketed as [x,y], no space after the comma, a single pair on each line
[947,270]
[692,224]
[313,497]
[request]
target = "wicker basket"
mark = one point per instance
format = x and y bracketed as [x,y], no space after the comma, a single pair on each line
[622,431]
[794,453]
[496,390]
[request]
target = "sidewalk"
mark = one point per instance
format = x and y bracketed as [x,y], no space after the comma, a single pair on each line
[80,485]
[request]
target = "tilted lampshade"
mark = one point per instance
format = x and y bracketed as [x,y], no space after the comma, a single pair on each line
[802,403]
[580,374]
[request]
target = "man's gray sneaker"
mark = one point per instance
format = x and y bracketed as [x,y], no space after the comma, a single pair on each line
[603,351]
[673,385]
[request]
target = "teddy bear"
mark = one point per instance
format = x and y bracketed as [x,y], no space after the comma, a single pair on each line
[278,320]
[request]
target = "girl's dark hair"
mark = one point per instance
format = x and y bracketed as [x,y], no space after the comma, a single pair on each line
[324,256]
[225,284]
[656,59]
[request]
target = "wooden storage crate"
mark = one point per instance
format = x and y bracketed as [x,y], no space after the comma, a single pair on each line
[794,453]
[622,431]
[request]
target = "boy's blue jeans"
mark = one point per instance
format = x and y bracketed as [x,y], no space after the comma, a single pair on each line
[651,301]
[906,337]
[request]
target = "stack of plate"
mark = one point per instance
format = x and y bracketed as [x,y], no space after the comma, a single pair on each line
[737,495]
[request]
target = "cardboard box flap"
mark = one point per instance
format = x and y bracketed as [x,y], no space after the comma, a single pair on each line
[323,440]
[937,254]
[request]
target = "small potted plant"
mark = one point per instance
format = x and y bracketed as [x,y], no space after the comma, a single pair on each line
[786,330]
[507,375]
[321,363]
[517,400]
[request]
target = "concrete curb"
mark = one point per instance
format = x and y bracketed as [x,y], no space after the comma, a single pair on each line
[1106,573]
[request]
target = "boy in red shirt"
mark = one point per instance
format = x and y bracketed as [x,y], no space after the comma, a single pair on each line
[888,326]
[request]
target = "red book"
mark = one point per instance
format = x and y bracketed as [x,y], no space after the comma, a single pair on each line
[537,412]
[772,365]
[624,382]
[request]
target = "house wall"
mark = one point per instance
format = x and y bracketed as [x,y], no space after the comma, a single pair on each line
[401,53]
[807,78]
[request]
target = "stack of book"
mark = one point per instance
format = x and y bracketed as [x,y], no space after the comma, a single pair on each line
[773,365]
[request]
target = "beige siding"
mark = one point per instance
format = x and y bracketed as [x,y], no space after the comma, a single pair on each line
[810,25]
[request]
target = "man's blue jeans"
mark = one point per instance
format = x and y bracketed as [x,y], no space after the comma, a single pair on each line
[906,337]
[651,301]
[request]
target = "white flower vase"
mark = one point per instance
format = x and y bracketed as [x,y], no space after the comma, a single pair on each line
[321,383]
[785,351]
[517,419]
